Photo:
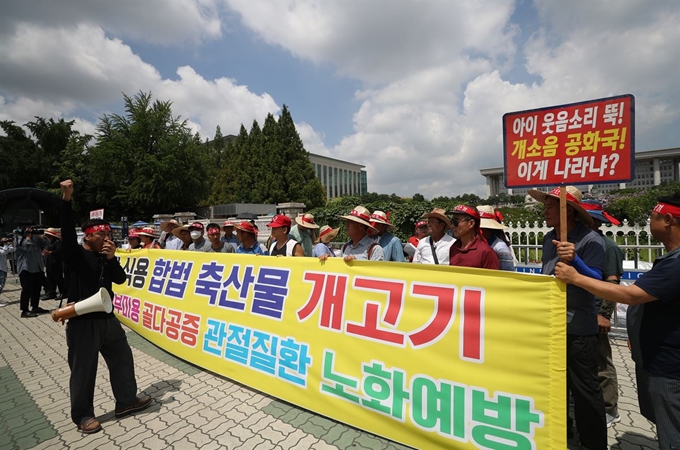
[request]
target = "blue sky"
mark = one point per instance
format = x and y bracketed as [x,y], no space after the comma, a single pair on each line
[413,90]
[314,92]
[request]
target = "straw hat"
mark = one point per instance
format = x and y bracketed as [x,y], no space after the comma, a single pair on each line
[167,223]
[360,215]
[488,218]
[596,211]
[178,230]
[440,214]
[381,217]
[147,231]
[306,220]
[246,226]
[227,224]
[574,198]
[54,232]
[327,234]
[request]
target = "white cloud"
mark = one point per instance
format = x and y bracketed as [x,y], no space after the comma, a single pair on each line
[208,103]
[155,21]
[414,136]
[77,65]
[312,139]
[57,72]
[614,48]
[381,41]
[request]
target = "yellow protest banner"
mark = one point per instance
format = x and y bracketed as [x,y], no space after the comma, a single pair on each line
[429,356]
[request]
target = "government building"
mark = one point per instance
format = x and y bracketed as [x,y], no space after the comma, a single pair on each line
[339,177]
[651,169]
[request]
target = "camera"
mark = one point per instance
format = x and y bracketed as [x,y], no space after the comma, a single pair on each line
[22,231]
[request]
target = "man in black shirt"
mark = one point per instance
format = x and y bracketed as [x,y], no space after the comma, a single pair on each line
[88,268]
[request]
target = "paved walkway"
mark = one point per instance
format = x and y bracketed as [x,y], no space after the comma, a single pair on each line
[192,408]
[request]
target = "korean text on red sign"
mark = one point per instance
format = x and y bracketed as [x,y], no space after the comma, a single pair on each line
[589,142]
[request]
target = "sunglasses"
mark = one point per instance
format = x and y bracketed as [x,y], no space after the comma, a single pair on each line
[455,222]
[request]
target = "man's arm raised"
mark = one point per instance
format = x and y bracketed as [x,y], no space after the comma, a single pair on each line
[69,239]
[66,190]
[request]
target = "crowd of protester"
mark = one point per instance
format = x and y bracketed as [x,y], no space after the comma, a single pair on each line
[474,237]
[465,236]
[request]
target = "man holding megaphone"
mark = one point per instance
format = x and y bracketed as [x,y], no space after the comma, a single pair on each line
[92,327]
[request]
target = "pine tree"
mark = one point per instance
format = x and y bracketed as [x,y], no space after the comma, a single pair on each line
[298,179]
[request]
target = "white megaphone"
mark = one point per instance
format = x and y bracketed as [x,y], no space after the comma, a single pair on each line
[99,302]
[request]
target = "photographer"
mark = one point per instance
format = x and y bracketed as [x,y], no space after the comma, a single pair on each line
[5,249]
[53,265]
[28,246]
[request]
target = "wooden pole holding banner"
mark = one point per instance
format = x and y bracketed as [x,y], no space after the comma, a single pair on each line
[563,213]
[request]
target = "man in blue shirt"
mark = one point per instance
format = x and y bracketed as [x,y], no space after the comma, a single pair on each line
[360,246]
[584,249]
[653,325]
[229,237]
[391,245]
[247,235]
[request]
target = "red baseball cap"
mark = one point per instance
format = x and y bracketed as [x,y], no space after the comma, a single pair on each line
[279,221]
[197,226]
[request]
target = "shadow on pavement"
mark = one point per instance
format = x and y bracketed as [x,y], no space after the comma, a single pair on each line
[156,391]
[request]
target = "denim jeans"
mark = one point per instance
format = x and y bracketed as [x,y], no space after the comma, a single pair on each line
[3,278]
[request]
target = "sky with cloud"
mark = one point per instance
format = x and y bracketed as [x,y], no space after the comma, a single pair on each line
[413,90]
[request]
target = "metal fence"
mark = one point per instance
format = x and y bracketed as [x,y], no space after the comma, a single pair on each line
[636,241]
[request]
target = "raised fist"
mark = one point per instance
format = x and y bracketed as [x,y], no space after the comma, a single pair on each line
[66,189]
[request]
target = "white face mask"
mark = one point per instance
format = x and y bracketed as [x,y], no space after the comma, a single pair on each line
[195,234]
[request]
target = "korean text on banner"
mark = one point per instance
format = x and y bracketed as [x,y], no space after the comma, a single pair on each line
[589,142]
[430,356]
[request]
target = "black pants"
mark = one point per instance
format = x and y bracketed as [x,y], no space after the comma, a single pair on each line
[31,283]
[659,399]
[583,382]
[54,280]
[86,339]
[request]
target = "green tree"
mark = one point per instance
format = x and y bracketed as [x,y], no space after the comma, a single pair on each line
[297,174]
[20,158]
[636,205]
[231,182]
[274,186]
[147,161]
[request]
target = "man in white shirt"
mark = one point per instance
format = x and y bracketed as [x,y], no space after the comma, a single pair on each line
[168,240]
[434,249]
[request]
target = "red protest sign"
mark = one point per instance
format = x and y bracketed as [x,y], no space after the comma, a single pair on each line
[589,142]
